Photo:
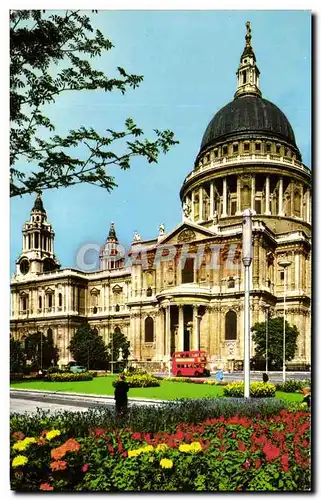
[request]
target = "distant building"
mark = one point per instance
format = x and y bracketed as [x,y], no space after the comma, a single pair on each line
[174,298]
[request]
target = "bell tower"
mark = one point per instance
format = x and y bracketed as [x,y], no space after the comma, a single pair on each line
[37,254]
[248,72]
[112,254]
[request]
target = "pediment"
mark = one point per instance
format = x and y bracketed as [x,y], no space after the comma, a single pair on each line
[185,233]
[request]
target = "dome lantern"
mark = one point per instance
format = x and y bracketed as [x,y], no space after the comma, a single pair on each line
[248,72]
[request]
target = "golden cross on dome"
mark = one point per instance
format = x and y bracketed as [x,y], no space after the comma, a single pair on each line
[248,35]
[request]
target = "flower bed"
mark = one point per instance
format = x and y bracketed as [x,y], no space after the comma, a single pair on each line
[220,454]
[69,377]
[140,381]
[257,390]
[193,380]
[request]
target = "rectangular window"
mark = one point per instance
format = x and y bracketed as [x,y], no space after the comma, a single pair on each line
[282,275]
[224,150]
[268,148]
[278,149]
[233,207]
[247,146]
[235,148]
[216,153]
[257,146]
[188,271]
[257,206]
[243,77]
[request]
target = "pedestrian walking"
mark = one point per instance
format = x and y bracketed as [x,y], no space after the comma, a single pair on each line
[120,395]
[265,378]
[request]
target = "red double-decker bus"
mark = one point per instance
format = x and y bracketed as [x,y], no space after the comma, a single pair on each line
[190,364]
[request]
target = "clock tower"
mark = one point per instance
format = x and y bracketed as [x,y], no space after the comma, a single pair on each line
[37,255]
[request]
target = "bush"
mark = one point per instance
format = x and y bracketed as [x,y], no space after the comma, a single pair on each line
[292,385]
[230,453]
[69,377]
[53,369]
[140,381]
[257,390]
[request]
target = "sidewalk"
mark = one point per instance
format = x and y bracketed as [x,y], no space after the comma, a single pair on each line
[73,397]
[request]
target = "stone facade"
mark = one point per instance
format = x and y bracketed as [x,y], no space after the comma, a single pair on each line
[184,289]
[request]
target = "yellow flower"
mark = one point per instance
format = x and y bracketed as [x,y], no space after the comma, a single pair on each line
[23,445]
[185,448]
[134,453]
[161,447]
[195,447]
[52,434]
[166,463]
[19,460]
[147,448]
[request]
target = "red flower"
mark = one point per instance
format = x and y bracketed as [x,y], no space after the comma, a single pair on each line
[271,452]
[241,445]
[257,463]
[18,435]
[136,435]
[110,448]
[45,487]
[124,454]
[285,462]
[85,468]
[247,464]
[99,432]
[58,465]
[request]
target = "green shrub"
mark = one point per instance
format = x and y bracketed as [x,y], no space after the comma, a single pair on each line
[143,418]
[140,381]
[69,377]
[53,369]
[257,390]
[292,385]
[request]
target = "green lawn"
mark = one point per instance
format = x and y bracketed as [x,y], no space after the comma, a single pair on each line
[167,390]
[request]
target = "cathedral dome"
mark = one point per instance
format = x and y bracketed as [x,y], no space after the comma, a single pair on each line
[249,114]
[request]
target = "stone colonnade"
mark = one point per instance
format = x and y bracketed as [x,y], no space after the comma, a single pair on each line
[277,195]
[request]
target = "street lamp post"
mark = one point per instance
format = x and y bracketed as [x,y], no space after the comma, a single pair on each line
[284,264]
[247,260]
[267,308]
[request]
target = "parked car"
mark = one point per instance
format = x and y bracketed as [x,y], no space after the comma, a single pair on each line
[77,369]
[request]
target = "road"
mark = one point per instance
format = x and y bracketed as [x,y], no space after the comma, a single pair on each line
[257,376]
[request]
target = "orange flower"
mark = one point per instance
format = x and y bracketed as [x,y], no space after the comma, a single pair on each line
[58,453]
[45,487]
[41,441]
[72,445]
[58,465]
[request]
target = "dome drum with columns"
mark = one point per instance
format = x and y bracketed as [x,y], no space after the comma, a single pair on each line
[193,296]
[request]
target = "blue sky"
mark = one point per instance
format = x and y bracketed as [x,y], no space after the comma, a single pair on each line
[189,60]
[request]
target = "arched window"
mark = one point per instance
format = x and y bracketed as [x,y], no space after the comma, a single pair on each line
[149,329]
[60,300]
[40,302]
[149,292]
[117,329]
[50,300]
[49,334]
[117,308]
[230,282]
[24,303]
[230,325]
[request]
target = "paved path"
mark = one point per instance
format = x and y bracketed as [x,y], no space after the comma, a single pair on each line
[29,406]
[27,401]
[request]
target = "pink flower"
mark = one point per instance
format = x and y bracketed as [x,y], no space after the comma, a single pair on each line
[85,468]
